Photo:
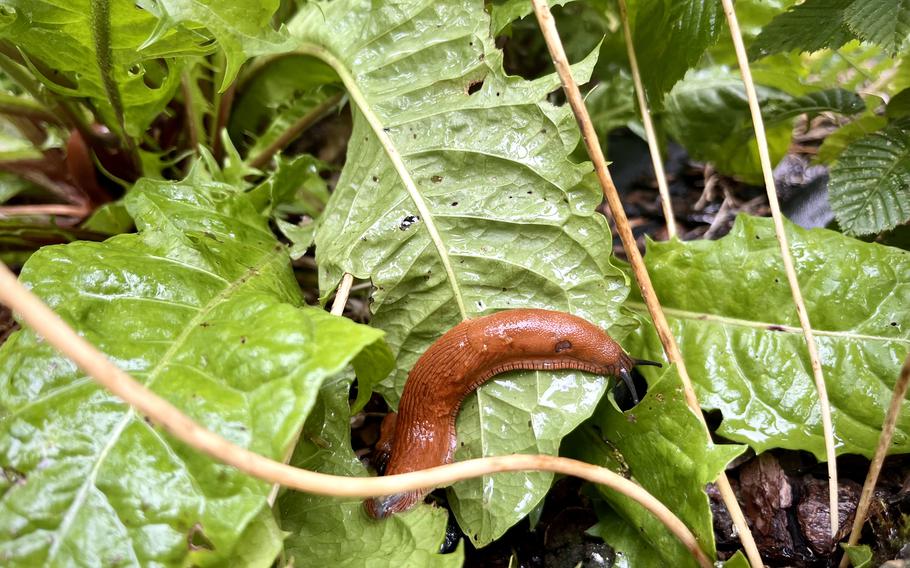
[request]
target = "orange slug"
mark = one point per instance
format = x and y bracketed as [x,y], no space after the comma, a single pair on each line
[422,435]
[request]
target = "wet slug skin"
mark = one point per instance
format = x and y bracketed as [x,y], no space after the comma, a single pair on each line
[422,434]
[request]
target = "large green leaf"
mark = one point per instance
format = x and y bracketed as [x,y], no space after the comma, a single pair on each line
[810,26]
[885,22]
[327,531]
[870,183]
[689,26]
[97,47]
[663,446]
[485,156]
[708,113]
[202,307]
[729,306]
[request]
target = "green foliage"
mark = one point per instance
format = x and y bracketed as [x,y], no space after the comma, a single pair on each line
[201,306]
[330,531]
[869,182]
[660,430]
[82,49]
[738,330]
[690,27]
[817,24]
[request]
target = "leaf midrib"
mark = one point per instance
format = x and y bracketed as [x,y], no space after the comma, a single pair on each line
[70,515]
[707,317]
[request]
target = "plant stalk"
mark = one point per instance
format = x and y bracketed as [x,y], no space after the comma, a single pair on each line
[799,303]
[560,61]
[653,146]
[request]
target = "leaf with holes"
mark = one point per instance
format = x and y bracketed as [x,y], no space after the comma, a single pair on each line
[328,531]
[458,199]
[95,50]
[870,182]
[730,309]
[202,307]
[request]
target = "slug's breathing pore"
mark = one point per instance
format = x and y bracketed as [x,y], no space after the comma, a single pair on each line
[422,434]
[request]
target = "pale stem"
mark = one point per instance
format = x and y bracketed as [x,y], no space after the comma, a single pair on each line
[341,296]
[653,146]
[768,172]
[560,61]
[884,442]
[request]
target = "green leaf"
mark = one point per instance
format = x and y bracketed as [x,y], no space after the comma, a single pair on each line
[110,219]
[730,309]
[327,531]
[707,112]
[836,142]
[96,47]
[738,560]
[810,26]
[860,556]
[869,183]
[665,448]
[485,155]
[689,26]
[277,95]
[242,28]
[504,12]
[295,189]
[836,100]
[885,22]
[899,105]
[202,307]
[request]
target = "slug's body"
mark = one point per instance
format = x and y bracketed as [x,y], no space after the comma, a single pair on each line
[468,355]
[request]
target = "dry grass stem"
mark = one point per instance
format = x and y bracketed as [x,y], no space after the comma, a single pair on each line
[875,468]
[341,295]
[799,303]
[653,146]
[554,44]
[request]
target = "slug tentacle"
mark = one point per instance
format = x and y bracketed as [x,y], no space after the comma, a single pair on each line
[467,356]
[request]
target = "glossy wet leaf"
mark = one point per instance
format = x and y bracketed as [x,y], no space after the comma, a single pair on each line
[663,446]
[328,531]
[729,306]
[870,182]
[516,218]
[202,307]
[68,37]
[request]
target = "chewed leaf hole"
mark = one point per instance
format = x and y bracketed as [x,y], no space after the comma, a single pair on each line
[474,87]
[408,221]
[197,540]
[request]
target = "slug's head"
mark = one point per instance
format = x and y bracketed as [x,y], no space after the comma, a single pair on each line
[604,356]
[382,507]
